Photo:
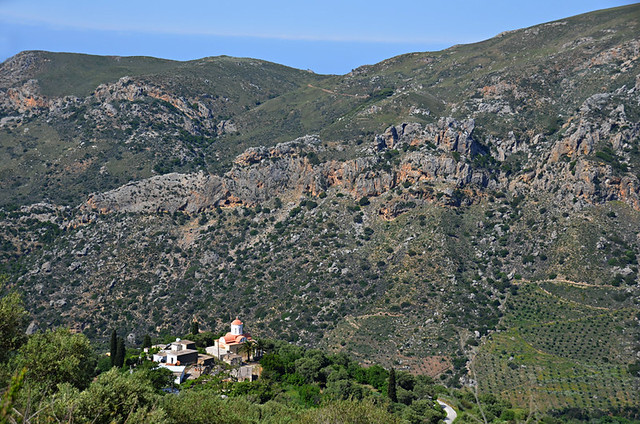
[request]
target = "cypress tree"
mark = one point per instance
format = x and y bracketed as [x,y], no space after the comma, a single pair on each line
[147,341]
[120,351]
[391,390]
[114,347]
[194,327]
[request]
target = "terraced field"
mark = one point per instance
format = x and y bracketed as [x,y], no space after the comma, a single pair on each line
[564,345]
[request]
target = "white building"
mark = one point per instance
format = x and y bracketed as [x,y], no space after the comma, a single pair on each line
[180,352]
[227,346]
[178,372]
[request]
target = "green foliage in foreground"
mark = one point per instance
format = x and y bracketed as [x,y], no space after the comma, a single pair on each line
[118,397]
[13,320]
[56,357]
[56,378]
[315,379]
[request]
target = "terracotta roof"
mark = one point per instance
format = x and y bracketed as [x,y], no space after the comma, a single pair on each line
[236,322]
[230,338]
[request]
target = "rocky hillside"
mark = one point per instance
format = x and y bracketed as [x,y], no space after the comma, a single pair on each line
[75,124]
[450,213]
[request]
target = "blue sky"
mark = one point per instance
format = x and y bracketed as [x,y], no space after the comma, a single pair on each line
[328,36]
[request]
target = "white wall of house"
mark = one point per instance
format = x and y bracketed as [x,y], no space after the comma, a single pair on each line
[157,357]
[177,370]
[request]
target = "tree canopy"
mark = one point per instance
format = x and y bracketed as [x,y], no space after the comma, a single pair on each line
[13,322]
[55,357]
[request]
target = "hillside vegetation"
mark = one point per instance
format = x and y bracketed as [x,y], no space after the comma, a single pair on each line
[56,376]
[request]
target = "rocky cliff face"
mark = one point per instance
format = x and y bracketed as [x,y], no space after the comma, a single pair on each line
[111,105]
[444,155]
[159,117]
[447,135]
[291,170]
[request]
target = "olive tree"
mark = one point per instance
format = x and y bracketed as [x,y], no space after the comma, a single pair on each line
[55,357]
[13,322]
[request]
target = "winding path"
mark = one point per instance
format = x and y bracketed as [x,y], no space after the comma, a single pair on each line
[451,414]
[338,94]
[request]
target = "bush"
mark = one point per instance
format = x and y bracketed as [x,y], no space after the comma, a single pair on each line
[114,397]
[309,394]
[349,411]
[57,357]
[364,201]
[344,389]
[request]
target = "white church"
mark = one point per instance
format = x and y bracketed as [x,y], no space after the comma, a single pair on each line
[226,348]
